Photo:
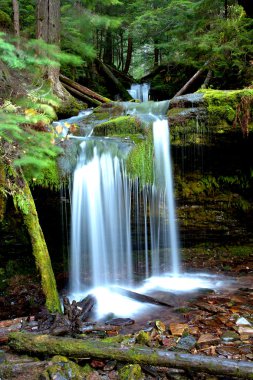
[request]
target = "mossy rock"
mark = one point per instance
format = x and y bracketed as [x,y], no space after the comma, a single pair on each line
[228,107]
[70,108]
[65,369]
[111,109]
[122,124]
[139,162]
[131,372]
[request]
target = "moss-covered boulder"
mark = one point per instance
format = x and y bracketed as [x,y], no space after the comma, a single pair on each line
[196,118]
[121,125]
[140,161]
[233,108]
[131,372]
[64,368]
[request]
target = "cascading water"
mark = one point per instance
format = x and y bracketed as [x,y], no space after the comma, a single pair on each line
[100,228]
[164,179]
[112,217]
[140,91]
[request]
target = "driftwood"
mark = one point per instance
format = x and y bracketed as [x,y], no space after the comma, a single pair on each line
[83,90]
[81,96]
[184,89]
[105,69]
[139,297]
[76,348]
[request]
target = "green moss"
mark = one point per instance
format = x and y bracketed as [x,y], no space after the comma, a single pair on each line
[131,372]
[47,177]
[65,368]
[69,108]
[121,124]
[143,338]
[140,161]
[224,106]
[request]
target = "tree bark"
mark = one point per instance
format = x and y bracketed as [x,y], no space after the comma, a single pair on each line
[2,196]
[84,90]
[184,89]
[48,29]
[123,92]
[108,48]
[81,95]
[39,247]
[76,348]
[40,253]
[129,54]
[15,6]
[156,55]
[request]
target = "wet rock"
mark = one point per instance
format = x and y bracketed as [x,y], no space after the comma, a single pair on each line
[229,336]
[110,365]
[63,369]
[186,343]
[187,101]
[120,322]
[131,372]
[97,363]
[242,322]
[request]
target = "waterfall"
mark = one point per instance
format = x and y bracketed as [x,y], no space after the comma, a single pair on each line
[120,230]
[100,227]
[164,179]
[140,91]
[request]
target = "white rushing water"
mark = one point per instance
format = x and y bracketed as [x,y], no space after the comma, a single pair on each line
[140,91]
[164,180]
[100,228]
[122,231]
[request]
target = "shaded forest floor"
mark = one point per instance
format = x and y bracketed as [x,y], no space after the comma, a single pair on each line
[209,322]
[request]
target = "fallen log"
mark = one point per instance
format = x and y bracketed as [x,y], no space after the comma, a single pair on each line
[76,348]
[139,297]
[184,89]
[80,95]
[123,92]
[83,90]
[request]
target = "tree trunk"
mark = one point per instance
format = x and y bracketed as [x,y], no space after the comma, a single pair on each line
[184,89]
[207,80]
[129,54]
[156,55]
[15,6]
[123,92]
[39,247]
[226,9]
[84,90]
[108,48]
[80,95]
[76,348]
[2,196]
[48,29]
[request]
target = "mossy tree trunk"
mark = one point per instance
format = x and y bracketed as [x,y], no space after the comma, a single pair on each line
[77,348]
[2,196]
[40,250]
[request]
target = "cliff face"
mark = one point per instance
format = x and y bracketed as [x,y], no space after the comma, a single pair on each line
[211,136]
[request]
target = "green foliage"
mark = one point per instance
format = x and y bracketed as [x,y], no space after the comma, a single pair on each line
[5,20]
